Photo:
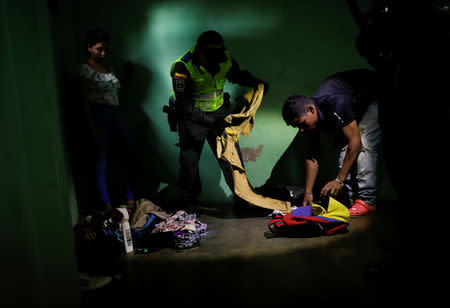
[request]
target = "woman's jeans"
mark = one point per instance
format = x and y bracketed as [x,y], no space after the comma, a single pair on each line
[361,182]
[111,130]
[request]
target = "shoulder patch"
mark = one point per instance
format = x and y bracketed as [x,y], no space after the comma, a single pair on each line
[187,56]
[179,76]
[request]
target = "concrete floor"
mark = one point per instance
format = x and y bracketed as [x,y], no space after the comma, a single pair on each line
[238,265]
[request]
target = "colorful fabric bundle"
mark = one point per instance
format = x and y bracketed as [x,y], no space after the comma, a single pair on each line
[329,218]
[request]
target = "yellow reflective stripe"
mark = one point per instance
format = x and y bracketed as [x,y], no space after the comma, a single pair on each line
[209,95]
[208,105]
[211,104]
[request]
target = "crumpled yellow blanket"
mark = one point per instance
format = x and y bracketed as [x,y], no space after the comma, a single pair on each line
[226,150]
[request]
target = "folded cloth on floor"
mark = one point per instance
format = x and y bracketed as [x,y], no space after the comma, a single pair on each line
[176,222]
[312,220]
[143,208]
[302,211]
[187,229]
[186,239]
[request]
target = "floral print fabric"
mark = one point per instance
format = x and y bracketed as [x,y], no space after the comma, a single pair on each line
[102,88]
[187,229]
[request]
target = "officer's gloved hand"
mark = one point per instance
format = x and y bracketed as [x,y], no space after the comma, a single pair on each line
[266,85]
[226,102]
[220,124]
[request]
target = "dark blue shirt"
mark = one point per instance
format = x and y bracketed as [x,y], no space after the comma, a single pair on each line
[344,97]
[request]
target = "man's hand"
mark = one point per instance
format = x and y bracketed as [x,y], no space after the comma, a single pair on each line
[332,189]
[308,199]
[88,234]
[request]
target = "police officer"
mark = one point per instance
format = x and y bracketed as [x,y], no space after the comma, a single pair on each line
[198,79]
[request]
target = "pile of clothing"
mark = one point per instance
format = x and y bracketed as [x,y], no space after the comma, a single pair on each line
[152,228]
[187,230]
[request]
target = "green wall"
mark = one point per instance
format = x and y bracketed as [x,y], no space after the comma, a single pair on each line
[38,261]
[293,45]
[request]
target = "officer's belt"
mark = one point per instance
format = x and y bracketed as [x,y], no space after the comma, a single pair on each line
[209,101]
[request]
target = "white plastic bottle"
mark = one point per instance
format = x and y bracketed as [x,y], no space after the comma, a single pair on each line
[127,240]
[126,231]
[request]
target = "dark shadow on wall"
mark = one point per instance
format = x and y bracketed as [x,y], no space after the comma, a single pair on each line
[75,133]
[290,168]
[77,141]
[151,171]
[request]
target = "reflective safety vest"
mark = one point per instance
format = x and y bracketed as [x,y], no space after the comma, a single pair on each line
[206,89]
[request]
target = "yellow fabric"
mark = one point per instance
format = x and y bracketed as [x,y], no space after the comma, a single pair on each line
[336,210]
[143,208]
[226,150]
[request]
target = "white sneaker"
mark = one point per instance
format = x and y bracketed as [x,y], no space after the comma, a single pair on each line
[89,283]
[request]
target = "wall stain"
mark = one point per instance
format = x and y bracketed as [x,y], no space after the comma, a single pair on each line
[249,154]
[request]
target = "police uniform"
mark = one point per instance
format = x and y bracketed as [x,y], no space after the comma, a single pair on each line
[199,99]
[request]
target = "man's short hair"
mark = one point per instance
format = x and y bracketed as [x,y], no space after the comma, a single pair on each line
[294,107]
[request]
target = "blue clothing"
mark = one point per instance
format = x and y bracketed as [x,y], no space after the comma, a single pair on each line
[110,128]
[344,97]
